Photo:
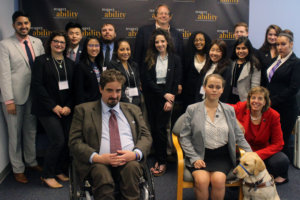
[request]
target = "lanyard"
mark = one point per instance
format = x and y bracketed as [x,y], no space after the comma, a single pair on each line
[54,61]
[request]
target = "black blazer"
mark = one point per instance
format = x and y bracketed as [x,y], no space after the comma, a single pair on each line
[44,86]
[79,51]
[285,84]
[86,87]
[172,81]
[226,74]
[142,42]
[116,64]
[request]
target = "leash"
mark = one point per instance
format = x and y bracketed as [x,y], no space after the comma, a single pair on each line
[260,184]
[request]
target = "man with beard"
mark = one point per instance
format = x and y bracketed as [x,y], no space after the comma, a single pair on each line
[74,32]
[17,54]
[110,141]
[108,36]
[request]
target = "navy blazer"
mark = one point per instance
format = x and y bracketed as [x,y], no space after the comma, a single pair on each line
[86,87]
[285,84]
[44,86]
[172,81]
[142,42]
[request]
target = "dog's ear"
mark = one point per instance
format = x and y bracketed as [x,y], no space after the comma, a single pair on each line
[259,166]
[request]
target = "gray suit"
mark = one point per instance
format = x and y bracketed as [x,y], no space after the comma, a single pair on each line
[15,78]
[246,81]
[192,135]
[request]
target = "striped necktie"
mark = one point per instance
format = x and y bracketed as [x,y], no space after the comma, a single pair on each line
[271,73]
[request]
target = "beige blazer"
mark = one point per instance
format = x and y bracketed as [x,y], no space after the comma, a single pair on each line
[15,71]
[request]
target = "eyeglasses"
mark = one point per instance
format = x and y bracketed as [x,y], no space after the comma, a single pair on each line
[58,42]
[199,40]
[93,45]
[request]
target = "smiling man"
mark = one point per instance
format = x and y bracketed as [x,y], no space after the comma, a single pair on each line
[110,141]
[17,54]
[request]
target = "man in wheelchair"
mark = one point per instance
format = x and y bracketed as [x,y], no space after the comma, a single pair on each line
[109,141]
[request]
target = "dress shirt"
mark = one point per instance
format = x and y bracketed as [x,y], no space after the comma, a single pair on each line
[275,62]
[158,26]
[161,69]
[75,50]
[216,132]
[111,46]
[124,131]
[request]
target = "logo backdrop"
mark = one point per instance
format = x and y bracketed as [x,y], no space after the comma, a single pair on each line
[215,17]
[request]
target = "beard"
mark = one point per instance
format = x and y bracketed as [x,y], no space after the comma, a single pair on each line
[112,102]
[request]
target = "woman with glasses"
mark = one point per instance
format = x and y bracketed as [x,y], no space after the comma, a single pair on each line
[52,104]
[87,72]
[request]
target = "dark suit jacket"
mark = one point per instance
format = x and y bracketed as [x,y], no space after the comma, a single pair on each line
[78,54]
[267,140]
[85,134]
[44,85]
[86,87]
[117,65]
[142,41]
[285,84]
[172,79]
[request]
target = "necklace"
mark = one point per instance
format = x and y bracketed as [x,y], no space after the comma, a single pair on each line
[255,118]
[59,62]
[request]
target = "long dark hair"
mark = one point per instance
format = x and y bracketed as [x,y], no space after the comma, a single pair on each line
[223,62]
[152,52]
[266,47]
[53,35]
[84,57]
[250,57]
[116,47]
[191,50]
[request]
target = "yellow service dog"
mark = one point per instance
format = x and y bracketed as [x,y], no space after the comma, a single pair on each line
[257,182]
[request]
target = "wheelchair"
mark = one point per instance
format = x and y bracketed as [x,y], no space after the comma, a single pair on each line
[83,191]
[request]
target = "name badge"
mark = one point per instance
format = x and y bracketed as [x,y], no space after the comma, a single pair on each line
[133,92]
[63,85]
[104,68]
[235,91]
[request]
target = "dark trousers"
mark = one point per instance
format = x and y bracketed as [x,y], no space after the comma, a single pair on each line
[278,165]
[57,156]
[104,178]
[288,117]
[158,120]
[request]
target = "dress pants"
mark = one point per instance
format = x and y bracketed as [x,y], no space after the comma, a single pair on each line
[158,120]
[127,176]
[21,133]
[278,165]
[57,156]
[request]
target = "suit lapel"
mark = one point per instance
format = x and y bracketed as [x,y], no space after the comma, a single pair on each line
[97,119]
[245,71]
[201,120]
[20,49]
[131,121]
[282,68]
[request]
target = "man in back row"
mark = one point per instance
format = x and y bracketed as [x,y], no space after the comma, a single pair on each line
[110,141]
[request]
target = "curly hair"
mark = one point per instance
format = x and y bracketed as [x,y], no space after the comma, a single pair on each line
[50,39]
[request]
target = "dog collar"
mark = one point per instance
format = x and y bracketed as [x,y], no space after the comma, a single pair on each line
[259,184]
[245,169]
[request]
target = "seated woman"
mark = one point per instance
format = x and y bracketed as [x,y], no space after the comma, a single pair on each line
[208,138]
[263,131]
[122,62]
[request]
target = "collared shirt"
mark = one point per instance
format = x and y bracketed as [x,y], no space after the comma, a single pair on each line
[161,69]
[124,131]
[21,40]
[111,46]
[275,62]
[158,26]
[216,132]
[75,50]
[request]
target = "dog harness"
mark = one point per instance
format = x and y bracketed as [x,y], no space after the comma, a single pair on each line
[259,184]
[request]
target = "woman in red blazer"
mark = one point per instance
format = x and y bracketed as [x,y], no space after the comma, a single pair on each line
[262,129]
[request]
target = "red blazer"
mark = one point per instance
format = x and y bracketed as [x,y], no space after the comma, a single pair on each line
[267,139]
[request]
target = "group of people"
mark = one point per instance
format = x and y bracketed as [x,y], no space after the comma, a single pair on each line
[124,100]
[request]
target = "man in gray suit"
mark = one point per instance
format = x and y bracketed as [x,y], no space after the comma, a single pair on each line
[110,141]
[17,54]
